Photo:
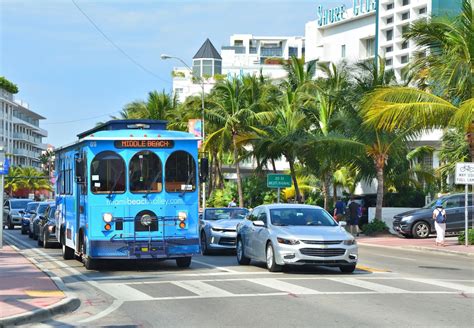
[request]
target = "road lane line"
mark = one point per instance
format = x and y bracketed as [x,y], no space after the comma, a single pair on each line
[201,289]
[214,266]
[446,284]
[123,292]
[369,285]
[115,305]
[283,286]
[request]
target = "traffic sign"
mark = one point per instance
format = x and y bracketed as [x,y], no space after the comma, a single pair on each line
[278,180]
[464,173]
[4,167]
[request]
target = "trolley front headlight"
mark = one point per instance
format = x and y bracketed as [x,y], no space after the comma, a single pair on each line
[182,216]
[145,220]
[107,217]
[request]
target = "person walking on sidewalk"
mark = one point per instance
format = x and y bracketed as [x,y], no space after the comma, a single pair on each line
[339,210]
[439,217]
[353,221]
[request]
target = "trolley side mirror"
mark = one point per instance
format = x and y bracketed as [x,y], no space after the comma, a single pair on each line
[204,169]
[80,171]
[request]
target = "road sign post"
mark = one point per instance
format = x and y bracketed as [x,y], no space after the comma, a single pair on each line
[278,181]
[465,175]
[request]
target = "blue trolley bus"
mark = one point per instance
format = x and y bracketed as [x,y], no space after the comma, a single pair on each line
[128,189]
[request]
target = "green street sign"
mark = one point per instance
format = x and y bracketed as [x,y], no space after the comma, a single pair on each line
[278,180]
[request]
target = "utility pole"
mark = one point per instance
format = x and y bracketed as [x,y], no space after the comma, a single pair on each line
[3,171]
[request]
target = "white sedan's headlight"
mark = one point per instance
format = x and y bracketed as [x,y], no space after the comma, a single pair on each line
[217,229]
[287,241]
[107,217]
[350,242]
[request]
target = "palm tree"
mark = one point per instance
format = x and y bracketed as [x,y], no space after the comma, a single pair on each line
[157,107]
[232,113]
[448,71]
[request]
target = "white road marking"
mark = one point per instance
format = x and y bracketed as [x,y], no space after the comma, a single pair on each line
[115,305]
[369,285]
[123,292]
[395,257]
[202,289]
[446,284]
[214,267]
[283,286]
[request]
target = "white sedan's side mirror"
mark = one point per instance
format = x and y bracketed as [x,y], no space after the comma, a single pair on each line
[342,223]
[259,223]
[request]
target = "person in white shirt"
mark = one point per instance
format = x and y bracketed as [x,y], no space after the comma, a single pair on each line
[232,203]
[439,217]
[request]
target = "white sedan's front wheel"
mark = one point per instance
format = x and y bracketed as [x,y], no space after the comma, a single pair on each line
[241,258]
[271,264]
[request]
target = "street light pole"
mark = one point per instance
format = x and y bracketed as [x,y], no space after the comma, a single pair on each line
[203,133]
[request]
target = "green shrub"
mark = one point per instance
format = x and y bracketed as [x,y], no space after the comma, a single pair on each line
[7,85]
[375,227]
[470,238]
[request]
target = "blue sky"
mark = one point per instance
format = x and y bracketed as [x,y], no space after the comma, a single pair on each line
[71,75]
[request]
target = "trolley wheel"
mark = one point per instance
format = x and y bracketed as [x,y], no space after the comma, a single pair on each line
[67,252]
[89,263]
[183,262]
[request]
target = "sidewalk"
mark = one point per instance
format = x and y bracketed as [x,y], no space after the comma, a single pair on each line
[428,244]
[27,294]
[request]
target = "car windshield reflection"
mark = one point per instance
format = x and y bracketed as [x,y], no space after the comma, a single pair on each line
[301,217]
[226,213]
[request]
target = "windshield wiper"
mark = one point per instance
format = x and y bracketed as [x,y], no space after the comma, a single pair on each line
[115,184]
[187,183]
[151,184]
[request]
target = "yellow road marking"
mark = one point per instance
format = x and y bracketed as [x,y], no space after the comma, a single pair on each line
[364,268]
[44,293]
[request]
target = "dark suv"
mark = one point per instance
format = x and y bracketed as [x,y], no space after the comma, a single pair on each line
[420,224]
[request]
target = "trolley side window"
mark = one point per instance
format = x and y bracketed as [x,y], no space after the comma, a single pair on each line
[107,173]
[180,172]
[145,173]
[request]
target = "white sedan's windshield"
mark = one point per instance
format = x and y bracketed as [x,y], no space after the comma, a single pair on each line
[226,213]
[301,217]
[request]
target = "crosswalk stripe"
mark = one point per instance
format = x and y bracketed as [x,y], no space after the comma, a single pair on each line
[446,284]
[202,289]
[283,286]
[368,285]
[123,292]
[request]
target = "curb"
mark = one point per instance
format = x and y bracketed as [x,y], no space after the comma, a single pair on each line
[419,249]
[69,304]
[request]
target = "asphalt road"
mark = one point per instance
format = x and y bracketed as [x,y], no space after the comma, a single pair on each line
[390,288]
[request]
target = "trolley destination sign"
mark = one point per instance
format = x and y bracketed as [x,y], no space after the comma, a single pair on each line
[278,180]
[144,143]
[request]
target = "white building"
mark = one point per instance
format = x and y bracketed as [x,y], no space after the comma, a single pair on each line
[247,54]
[20,131]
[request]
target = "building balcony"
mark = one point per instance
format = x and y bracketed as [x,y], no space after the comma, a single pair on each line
[25,153]
[37,129]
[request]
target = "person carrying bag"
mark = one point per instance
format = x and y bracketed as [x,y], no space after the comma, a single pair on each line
[439,217]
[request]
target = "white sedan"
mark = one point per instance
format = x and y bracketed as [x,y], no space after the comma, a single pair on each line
[281,234]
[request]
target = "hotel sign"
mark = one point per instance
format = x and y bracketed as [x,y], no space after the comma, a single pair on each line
[337,14]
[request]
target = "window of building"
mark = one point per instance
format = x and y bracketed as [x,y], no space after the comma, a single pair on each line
[390,6]
[217,67]
[252,50]
[370,47]
[197,68]
[293,51]
[207,67]
[238,43]
[404,59]
[390,20]
[389,62]
[180,172]
[405,29]
[406,15]
[404,44]
[145,173]
[422,11]
[271,51]
[389,35]
[405,2]
[388,49]
[428,161]
[107,173]
[343,51]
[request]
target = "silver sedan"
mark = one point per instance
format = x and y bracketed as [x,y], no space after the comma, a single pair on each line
[218,227]
[281,234]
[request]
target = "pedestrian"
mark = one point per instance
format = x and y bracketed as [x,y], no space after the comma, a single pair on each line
[339,210]
[353,222]
[439,217]
[232,203]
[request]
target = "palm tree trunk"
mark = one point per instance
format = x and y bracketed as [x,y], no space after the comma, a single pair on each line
[274,166]
[326,191]
[380,180]
[293,176]
[237,169]
[334,191]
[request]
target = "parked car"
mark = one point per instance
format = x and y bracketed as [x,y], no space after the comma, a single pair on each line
[47,228]
[420,224]
[283,234]
[26,218]
[35,219]
[11,211]
[218,227]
